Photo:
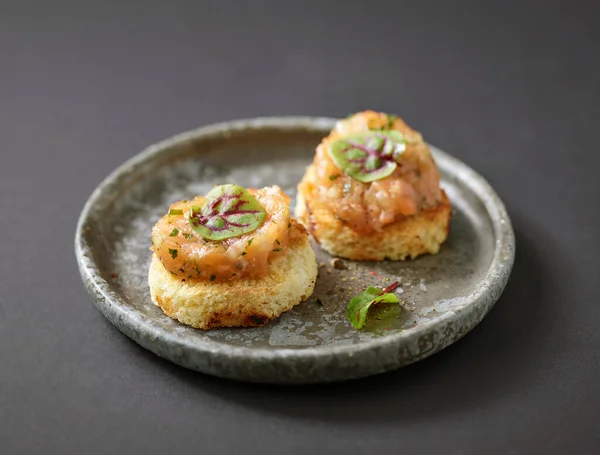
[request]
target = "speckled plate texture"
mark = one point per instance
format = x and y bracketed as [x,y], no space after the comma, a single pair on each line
[442,296]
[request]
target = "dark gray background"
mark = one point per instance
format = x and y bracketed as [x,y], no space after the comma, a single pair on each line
[512,88]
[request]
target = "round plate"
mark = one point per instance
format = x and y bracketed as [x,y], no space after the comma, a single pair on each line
[442,296]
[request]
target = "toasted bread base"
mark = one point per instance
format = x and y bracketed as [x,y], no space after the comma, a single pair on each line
[407,238]
[239,303]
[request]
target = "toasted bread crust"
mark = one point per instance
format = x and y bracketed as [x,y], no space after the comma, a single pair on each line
[408,237]
[238,303]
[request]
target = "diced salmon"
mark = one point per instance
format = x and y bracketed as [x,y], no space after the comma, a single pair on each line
[187,255]
[366,207]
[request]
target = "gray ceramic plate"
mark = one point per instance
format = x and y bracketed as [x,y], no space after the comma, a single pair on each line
[443,296]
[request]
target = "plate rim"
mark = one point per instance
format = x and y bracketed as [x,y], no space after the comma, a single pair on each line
[142,328]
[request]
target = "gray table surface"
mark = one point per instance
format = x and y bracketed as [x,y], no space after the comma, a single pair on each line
[512,88]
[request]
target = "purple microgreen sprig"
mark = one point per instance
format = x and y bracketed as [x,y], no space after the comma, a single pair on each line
[368,156]
[357,309]
[228,211]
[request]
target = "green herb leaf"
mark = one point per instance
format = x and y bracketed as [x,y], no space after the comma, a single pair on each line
[173,253]
[368,156]
[277,250]
[174,232]
[188,235]
[391,120]
[212,277]
[175,212]
[244,253]
[333,177]
[359,306]
[250,241]
[229,211]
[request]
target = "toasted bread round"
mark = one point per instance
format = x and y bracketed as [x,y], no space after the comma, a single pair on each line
[406,238]
[237,303]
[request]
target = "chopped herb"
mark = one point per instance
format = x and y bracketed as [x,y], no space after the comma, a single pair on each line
[277,242]
[233,274]
[333,177]
[188,236]
[289,224]
[391,121]
[250,242]
[244,253]
[182,270]
[173,253]
[175,212]
[277,250]
[359,306]
[174,232]
[212,278]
